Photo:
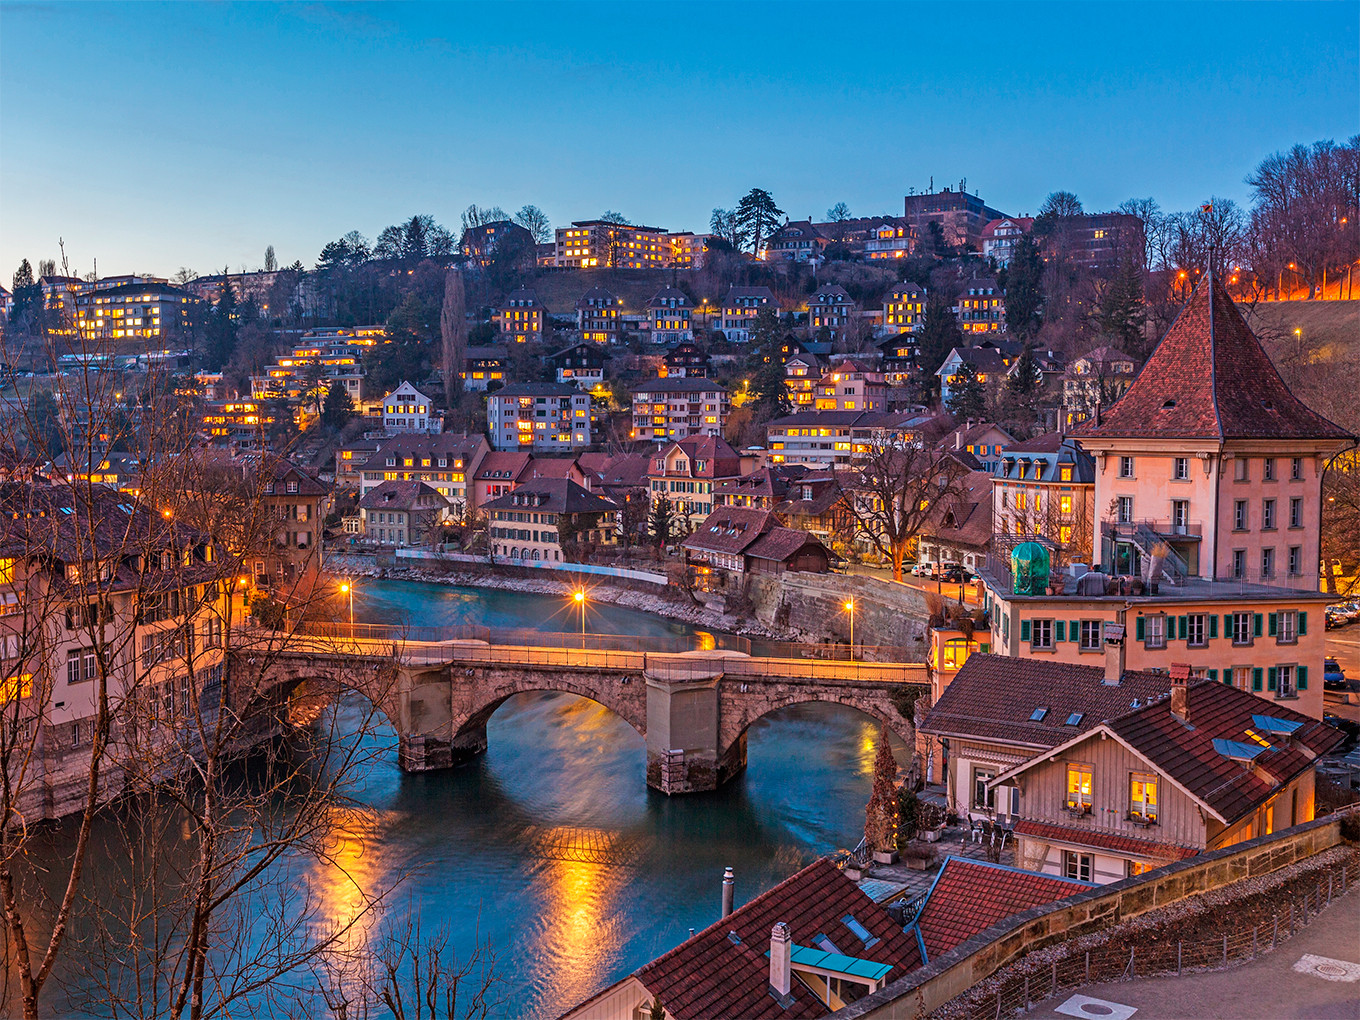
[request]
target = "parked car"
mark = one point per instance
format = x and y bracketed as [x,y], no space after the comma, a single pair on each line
[956,573]
[1333,676]
[1347,726]
[923,570]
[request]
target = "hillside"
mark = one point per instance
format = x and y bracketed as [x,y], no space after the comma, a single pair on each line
[1321,363]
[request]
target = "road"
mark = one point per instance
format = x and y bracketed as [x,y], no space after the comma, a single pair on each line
[1278,986]
[1343,645]
[970,594]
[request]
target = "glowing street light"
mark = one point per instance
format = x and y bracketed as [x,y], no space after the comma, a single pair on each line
[850,608]
[579,597]
[347,588]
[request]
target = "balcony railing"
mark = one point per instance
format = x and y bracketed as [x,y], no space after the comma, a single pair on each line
[1127,530]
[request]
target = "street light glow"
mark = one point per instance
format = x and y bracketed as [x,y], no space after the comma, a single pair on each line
[579,596]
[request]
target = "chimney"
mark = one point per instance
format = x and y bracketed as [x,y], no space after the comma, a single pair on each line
[1180,701]
[781,959]
[1114,654]
[729,889]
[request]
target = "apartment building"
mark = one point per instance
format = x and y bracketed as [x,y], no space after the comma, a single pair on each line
[904,308]
[406,409]
[1045,488]
[543,520]
[582,364]
[830,307]
[335,355]
[673,408]
[594,243]
[598,316]
[981,307]
[1094,381]
[688,471]
[403,514]
[830,439]
[522,317]
[668,316]
[890,238]
[739,309]
[999,237]
[539,416]
[443,462]
[961,216]
[850,386]
[143,310]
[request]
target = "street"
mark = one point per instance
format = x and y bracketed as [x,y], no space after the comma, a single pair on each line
[1343,645]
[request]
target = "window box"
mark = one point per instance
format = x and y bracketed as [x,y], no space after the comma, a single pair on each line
[1078,810]
[1140,820]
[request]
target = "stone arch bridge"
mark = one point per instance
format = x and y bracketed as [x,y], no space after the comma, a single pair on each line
[693,709]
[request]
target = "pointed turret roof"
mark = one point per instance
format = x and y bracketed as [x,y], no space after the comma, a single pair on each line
[1210,378]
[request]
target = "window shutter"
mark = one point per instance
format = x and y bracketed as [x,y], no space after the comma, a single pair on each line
[1213,674]
[1303,678]
[1227,675]
[1256,678]
[1213,625]
[1227,625]
[1273,624]
[1024,630]
[1270,678]
[1062,630]
[1140,629]
[1256,624]
[1184,628]
[1074,630]
[984,648]
[1303,623]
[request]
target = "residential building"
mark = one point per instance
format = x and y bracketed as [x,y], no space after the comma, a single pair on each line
[898,362]
[798,241]
[985,362]
[523,318]
[240,424]
[538,416]
[484,367]
[582,364]
[684,361]
[688,470]
[669,409]
[892,237]
[1095,381]
[1000,236]
[597,316]
[739,309]
[1045,488]
[802,372]
[1210,453]
[601,243]
[403,514]
[761,489]
[443,462]
[313,365]
[960,529]
[688,250]
[545,519]
[497,474]
[739,541]
[142,310]
[904,308]
[823,440]
[298,502]
[983,440]
[668,316]
[1098,242]
[850,386]
[981,307]
[961,216]
[809,946]
[1049,368]
[831,307]
[622,478]
[1206,768]
[350,459]
[406,409]
[816,503]
[502,241]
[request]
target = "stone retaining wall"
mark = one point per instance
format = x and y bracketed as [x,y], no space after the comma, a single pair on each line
[813,606]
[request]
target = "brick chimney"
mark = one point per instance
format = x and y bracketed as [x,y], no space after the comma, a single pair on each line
[781,959]
[1114,654]
[729,888]
[1180,700]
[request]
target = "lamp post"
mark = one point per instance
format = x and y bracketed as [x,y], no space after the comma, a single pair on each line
[579,596]
[850,608]
[347,588]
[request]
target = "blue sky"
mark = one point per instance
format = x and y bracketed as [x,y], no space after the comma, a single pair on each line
[155,136]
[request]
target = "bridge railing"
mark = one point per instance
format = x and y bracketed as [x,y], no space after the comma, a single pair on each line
[524,638]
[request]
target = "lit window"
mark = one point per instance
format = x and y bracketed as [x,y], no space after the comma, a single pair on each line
[1143,797]
[1078,787]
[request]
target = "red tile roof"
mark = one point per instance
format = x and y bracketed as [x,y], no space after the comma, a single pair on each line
[730,529]
[1104,840]
[709,977]
[780,544]
[971,896]
[1210,378]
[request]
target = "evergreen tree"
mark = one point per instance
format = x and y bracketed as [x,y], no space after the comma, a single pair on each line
[757,218]
[662,524]
[339,406]
[1026,378]
[880,815]
[940,333]
[219,336]
[1024,286]
[1122,313]
[969,396]
[771,394]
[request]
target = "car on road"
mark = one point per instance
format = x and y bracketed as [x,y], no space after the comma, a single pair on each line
[1341,613]
[955,573]
[923,570]
[1333,676]
[1347,726]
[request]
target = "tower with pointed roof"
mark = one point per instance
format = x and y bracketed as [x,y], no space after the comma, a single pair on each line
[1209,454]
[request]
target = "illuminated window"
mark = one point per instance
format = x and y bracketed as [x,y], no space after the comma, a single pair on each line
[1078,787]
[1143,797]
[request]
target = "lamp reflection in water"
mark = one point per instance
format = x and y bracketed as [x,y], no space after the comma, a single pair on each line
[342,887]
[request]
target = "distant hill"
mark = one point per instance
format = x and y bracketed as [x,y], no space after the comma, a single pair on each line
[1321,363]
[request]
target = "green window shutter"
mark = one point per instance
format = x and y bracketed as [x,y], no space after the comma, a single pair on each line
[1213,674]
[1303,623]
[1184,628]
[1074,630]
[1024,630]
[984,648]
[1256,624]
[1213,625]
[1227,675]
[1256,678]
[1227,625]
[1270,678]
[1140,628]
[1273,624]
[1061,627]
[1303,678]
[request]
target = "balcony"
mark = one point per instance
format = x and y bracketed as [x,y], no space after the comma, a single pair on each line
[1127,531]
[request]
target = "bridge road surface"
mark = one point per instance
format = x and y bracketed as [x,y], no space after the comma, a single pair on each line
[1267,988]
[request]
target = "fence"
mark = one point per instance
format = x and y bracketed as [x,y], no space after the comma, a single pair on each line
[431,556]
[1117,963]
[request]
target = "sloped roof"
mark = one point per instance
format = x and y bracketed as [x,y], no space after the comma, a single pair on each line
[669,293]
[720,460]
[966,518]
[625,470]
[555,495]
[780,543]
[711,977]
[1118,842]
[730,529]
[993,696]
[502,464]
[970,896]
[399,495]
[445,444]
[983,359]
[1210,378]
[672,385]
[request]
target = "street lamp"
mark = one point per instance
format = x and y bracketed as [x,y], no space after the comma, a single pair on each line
[347,588]
[850,608]
[579,596]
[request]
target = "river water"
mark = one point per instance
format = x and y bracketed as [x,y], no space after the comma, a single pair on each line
[551,845]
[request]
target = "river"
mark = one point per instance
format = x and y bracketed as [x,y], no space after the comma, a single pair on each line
[551,845]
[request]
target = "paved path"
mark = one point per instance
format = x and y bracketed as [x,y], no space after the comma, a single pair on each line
[1267,989]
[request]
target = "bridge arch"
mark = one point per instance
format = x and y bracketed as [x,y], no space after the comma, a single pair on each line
[475,720]
[273,698]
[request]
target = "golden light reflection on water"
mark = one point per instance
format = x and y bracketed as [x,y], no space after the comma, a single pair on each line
[342,886]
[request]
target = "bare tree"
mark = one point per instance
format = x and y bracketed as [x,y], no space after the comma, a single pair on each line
[453,333]
[535,220]
[895,485]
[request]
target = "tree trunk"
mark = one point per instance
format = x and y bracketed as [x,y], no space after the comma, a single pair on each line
[453,334]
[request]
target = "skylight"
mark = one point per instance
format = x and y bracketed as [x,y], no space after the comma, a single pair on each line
[1237,750]
[1038,715]
[1271,724]
[734,938]
[861,932]
[1075,719]
[824,944]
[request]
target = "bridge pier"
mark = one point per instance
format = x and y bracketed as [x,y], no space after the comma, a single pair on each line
[683,753]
